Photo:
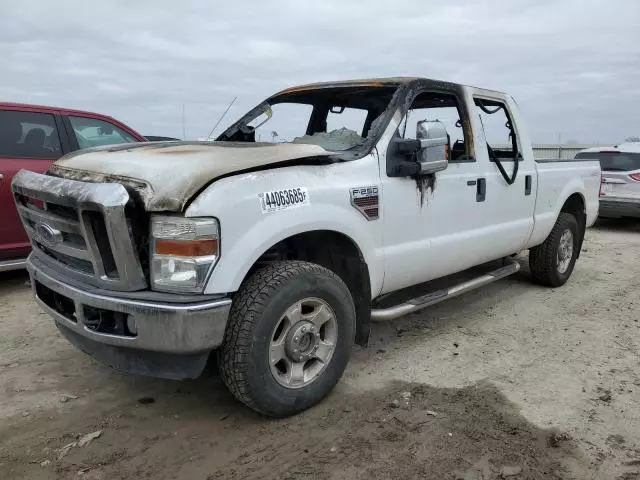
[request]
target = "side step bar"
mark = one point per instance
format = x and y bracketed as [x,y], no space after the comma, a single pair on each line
[391,313]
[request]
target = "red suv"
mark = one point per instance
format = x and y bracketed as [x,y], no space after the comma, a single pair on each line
[32,137]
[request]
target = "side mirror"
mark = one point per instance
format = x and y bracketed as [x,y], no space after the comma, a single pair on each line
[434,146]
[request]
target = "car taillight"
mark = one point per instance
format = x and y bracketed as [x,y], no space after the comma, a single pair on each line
[602,186]
[635,176]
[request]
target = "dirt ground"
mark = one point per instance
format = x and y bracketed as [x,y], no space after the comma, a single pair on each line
[510,381]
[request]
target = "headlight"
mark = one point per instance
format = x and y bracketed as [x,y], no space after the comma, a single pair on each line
[183,252]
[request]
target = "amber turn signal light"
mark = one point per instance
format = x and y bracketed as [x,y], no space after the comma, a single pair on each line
[187,248]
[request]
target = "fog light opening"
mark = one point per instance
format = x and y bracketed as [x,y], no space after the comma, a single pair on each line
[132,326]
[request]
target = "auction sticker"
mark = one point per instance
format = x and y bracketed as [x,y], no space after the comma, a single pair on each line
[283,199]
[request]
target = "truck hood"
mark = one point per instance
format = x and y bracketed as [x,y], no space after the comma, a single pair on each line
[166,175]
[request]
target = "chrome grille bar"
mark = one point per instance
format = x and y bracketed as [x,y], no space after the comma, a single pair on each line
[39,216]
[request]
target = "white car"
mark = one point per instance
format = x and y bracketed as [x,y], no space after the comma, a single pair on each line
[390,195]
[620,189]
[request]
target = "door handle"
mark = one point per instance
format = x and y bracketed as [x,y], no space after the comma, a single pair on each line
[481,189]
[528,181]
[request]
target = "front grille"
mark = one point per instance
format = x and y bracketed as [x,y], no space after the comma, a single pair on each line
[95,221]
[74,239]
[68,260]
[80,229]
[61,210]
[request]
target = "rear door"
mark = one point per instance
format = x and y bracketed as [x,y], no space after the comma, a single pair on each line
[28,140]
[510,188]
[620,172]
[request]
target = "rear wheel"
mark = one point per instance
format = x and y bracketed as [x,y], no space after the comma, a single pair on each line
[552,262]
[290,331]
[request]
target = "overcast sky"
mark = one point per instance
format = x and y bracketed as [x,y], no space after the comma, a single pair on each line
[573,65]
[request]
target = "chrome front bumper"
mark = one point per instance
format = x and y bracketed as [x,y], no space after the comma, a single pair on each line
[163,331]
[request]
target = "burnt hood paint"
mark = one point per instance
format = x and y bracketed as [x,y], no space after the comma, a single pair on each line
[166,175]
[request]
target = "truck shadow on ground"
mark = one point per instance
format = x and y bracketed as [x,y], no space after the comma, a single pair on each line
[618,224]
[13,281]
[400,431]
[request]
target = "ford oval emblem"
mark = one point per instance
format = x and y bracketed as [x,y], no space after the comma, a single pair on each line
[48,235]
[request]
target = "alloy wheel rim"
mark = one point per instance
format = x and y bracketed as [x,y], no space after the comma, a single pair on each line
[303,342]
[565,251]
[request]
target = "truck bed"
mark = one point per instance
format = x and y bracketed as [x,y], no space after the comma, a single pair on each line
[558,179]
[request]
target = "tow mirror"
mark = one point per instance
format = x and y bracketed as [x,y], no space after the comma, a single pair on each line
[428,153]
[434,146]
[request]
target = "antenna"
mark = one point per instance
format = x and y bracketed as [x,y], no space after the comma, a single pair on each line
[221,117]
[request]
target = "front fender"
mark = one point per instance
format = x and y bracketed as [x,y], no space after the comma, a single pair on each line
[237,259]
[247,232]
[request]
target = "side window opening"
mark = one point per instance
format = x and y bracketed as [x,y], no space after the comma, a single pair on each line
[500,136]
[442,107]
[28,135]
[498,129]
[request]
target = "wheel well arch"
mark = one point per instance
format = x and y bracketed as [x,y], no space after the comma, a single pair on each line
[576,206]
[337,252]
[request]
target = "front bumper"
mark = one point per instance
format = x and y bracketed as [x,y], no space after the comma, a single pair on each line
[619,207]
[163,339]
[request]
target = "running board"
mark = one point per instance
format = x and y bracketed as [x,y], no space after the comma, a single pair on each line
[391,313]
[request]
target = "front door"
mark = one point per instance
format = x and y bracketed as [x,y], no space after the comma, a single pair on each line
[432,225]
[30,141]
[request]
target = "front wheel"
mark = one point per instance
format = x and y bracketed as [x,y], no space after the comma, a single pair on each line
[290,331]
[552,262]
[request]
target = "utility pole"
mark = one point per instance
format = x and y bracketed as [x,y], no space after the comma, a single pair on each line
[559,146]
[184,134]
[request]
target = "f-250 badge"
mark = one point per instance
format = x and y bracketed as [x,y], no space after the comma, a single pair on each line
[367,201]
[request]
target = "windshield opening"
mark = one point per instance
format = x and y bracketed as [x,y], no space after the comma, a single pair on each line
[338,119]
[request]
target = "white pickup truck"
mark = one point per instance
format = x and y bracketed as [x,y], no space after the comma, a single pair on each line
[373,198]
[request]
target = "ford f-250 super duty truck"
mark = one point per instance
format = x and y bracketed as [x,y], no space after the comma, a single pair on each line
[377,198]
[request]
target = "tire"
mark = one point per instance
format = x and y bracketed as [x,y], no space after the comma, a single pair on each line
[550,265]
[259,309]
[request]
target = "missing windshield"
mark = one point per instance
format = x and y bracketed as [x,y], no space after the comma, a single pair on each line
[338,119]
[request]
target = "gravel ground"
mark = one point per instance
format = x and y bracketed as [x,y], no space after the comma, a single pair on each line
[510,381]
